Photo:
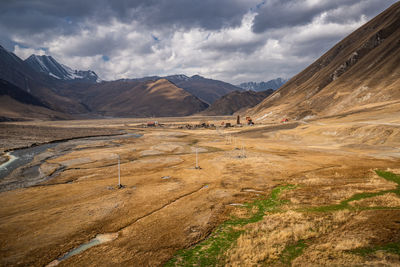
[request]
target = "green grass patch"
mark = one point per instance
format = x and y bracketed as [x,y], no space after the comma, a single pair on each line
[345,203]
[210,251]
[365,251]
[292,251]
[389,176]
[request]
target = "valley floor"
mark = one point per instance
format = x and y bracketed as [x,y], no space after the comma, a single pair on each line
[323,192]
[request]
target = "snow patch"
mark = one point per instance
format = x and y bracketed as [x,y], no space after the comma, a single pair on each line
[54,76]
[309,117]
[264,116]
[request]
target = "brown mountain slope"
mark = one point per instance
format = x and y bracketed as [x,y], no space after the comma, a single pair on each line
[208,90]
[141,99]
[16,104]
[362,71]
[235,101]
[13,110]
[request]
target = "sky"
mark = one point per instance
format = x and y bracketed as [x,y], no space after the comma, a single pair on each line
[231,40]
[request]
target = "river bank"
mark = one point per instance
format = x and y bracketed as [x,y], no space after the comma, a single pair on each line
[25,168]
[20,136]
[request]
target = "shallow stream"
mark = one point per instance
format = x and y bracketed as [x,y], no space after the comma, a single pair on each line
[18,158]
[30,173]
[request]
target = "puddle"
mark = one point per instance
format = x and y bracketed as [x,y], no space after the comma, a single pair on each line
[251,190]
[99,239]
[165,177]
[31,171]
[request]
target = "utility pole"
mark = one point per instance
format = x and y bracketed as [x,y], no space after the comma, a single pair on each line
[243,152]
[197,160]
[228,139]
[119,172]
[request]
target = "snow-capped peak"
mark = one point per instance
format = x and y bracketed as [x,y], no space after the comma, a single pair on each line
[180,77]
[48,65]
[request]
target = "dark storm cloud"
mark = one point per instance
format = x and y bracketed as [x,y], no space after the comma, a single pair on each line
[275,14]
[33,16]
[93,46]
[36,16]
[207,14]
[107,44]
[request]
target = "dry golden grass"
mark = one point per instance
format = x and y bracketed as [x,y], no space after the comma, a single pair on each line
[264,242]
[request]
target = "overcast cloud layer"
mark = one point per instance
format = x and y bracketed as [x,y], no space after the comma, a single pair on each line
[230,40]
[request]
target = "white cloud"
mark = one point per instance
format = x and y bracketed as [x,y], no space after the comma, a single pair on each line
[233,54]
[26,52]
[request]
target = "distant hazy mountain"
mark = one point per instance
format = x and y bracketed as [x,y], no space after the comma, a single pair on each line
[262,86]
[49,66]
[235,101]
[208,90]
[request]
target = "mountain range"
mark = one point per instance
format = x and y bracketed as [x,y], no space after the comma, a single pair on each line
[208,90]
[67,93]
[262,86]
